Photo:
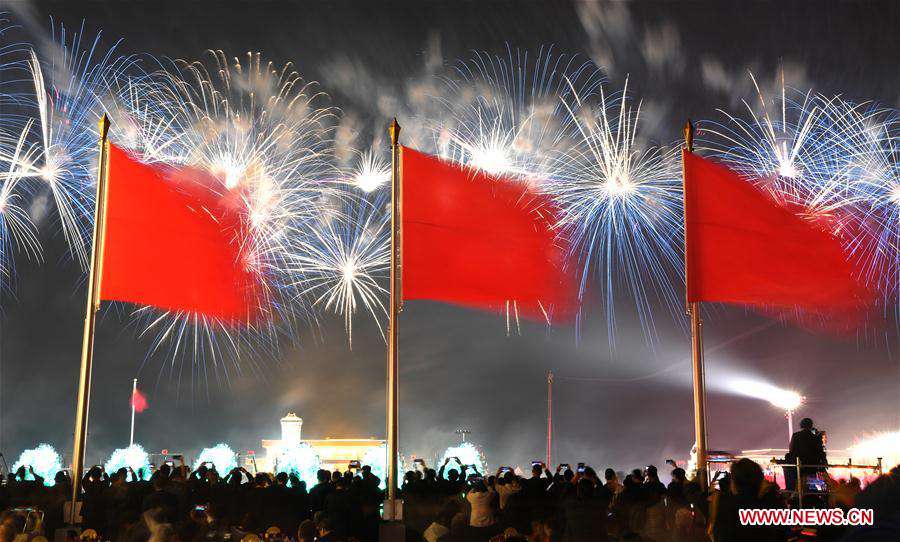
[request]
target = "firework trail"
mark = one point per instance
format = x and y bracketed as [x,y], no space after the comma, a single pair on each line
[863,197]
[620,202]
[780,142]
[14,72]
[62,143]
[141,119]
[505,115]
[342,261]
[17,232]
[831,160]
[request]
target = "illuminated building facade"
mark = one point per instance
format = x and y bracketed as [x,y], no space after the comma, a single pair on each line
[334,453]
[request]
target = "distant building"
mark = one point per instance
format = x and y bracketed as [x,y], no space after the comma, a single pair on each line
[334,453]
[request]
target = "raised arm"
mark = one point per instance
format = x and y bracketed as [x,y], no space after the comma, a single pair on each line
[37,477]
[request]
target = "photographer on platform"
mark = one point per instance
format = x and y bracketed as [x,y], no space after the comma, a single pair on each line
[808,448]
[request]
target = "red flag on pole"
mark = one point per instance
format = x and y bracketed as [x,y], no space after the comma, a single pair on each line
[480,241]
[138,400]
[745,248]
[174,241]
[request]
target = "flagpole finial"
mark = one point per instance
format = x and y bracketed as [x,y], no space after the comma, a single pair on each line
[394,130]
[689,136]
[104,126]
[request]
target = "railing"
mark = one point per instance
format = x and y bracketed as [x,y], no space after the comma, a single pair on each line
[800,482]
[800,466]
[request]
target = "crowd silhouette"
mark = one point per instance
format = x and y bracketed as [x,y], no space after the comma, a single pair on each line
[453,503]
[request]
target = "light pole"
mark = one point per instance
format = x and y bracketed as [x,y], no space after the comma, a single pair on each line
[782,399]
[462,433]
[789,401]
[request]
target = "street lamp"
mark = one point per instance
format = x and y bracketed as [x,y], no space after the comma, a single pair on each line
[783,399]
[789,401]
[463,433]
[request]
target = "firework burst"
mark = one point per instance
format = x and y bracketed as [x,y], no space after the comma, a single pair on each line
[258,129]
[780,141]
[371,172]
[832,161]
[343,259]
[503,115]
[620,202]
[14,71]
[17,231]
[62,156]
[863,193]
[48,143]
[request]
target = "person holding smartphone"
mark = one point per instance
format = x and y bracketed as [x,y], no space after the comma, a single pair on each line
[536,486]
[507,485]
[612,482]
[481,519]
[455,480]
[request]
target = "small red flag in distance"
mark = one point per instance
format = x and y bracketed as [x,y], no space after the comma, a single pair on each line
[138,401]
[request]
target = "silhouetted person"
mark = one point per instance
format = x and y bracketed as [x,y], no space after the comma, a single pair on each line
[675,489]
[651,481]
[160,499]
[747,491]
[807,446]
[584,515]
[320,491]
[612,482]
[325,527]
[883,497]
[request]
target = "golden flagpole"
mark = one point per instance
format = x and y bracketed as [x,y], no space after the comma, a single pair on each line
[392,506]
[693,311]
[93,304]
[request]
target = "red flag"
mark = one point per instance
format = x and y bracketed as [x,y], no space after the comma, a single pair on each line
[173,241]
[138,401]
[480,241]
[745,248]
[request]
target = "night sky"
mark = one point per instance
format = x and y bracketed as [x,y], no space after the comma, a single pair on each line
[621,407]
